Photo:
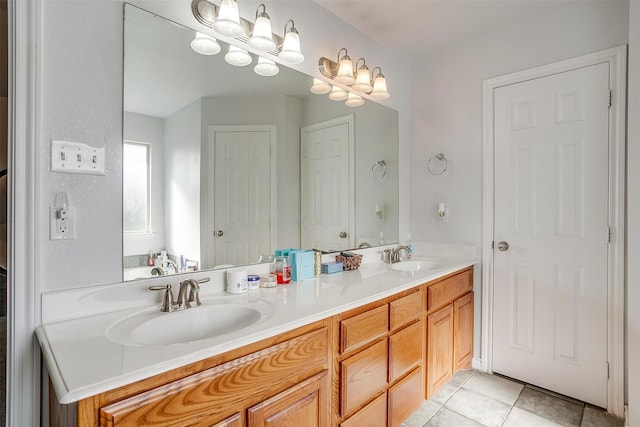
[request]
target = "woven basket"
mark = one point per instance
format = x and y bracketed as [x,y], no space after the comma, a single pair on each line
[349,263]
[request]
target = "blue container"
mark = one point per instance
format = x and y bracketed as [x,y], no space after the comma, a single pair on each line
[331,267]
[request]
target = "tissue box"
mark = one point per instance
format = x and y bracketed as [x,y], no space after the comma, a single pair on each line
[302,263]
[331,267]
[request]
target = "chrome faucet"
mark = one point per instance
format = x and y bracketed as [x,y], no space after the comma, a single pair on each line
[395,253]
[188,296]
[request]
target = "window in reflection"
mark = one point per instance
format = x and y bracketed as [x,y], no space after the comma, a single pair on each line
[137,181]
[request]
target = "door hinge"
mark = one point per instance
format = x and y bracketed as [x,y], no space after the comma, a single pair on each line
[608,234]
[610,98]
[493,245]
[608,371]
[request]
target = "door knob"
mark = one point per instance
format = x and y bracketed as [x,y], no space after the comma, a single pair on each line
[503,246]
[343,234]
[219,233]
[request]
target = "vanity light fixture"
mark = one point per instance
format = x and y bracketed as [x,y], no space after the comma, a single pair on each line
[205,44]
[320,87]
[261,38]
[290,51]
[237,57]
[358,82]
[228,20]
[266,67]
[379,85]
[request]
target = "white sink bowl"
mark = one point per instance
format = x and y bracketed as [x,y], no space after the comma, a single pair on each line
[213,318]
[416,264]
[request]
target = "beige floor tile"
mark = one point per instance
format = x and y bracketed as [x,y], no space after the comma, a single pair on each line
[521,418]
[446,418]
[593,417]
[552,408]
[478,407]
[494,386]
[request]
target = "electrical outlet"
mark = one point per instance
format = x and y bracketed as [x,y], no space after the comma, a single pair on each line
[61,224]
[76,157]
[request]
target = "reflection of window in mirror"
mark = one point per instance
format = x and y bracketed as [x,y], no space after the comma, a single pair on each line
[136,185]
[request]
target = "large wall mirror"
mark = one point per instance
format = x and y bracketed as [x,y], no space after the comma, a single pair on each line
[222,165]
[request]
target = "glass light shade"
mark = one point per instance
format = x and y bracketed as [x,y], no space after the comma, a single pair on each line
[291,52]
[266,67]
[338,94]
[345,72]
[205,44]
[228,22]
[354,100]
[363,82]
[261,38]
[320,87]
[238,57]
[380,88]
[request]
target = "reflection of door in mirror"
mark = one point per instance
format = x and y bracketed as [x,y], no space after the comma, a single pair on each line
[327,184]
[240,217]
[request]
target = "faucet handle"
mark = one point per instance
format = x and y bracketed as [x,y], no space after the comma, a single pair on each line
[167,305]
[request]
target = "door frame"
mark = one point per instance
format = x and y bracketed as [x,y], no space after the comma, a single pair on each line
[616,58]
[350,121]
[208,217]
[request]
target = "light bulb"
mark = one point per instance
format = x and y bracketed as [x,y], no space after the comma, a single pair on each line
[228,22]
[237,57]
[291,52]
[266,67]
[354,100]
[345,71]
[320,87]
[338,94]
[261,37]
[205,44]
[363,82]
[380,87]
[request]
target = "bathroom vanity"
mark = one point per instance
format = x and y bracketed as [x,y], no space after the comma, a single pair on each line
[351,349]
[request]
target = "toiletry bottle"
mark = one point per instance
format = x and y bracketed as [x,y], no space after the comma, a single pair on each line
[150,261]
[409,244]
[283,270]
[381,238]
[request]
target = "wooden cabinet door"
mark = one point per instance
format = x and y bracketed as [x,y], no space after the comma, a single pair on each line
[405,398]
[305,404]
[232,421]
[405,350]
[463,332]
[372,415]
[362,377]
[439,348]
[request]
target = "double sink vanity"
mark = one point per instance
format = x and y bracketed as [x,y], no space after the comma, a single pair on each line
[356,348]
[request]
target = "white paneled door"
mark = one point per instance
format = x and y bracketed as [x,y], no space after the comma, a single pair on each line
[242,194]
[551,232]
[327,184]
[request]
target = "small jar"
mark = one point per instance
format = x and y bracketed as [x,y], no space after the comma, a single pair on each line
[268,281]
[253,281]
[283,270]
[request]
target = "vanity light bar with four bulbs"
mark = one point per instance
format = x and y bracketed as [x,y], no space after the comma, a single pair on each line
[225,19]
[342,72]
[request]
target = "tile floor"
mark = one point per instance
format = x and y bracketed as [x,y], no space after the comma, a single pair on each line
[476,399]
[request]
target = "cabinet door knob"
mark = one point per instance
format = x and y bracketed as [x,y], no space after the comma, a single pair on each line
[343,234]
[219,233]
[503,246]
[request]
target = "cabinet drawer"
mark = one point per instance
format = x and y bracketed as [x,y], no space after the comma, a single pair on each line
[405,310]
[444,292]
[404,398]
[405,350]
[232,421]
[363,328]
[372,415]
[362,377]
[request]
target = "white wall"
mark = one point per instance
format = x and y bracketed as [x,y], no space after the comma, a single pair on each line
[446,113]
[633,218]
[182,181]
[141,128]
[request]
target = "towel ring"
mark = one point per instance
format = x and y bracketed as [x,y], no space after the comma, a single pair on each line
[437,165]
[379,169]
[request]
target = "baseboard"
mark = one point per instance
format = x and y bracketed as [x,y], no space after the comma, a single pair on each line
[626,415]
[476,363]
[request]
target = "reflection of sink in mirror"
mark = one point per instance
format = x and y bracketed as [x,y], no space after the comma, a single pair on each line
[416,264]
[137,273]
[214,318]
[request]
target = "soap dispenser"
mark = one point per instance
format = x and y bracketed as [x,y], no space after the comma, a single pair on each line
[409,243]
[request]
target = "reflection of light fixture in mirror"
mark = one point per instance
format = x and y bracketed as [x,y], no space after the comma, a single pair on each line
[205,44]
[290,51]
[345,69]
[379,85]
[238,57]
[320,87]
[363,80]
[228,21]
[338,94]
[261,37]
[354,100]
[266,67]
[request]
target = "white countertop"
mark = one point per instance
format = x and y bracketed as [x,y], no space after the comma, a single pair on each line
[82,361]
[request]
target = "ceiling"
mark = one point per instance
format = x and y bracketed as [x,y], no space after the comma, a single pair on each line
[416,28]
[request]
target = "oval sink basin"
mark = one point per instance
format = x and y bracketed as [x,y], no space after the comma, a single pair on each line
[211,319]
[419,264]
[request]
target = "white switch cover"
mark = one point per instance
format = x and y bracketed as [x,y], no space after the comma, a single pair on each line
[62,226]
[76,157]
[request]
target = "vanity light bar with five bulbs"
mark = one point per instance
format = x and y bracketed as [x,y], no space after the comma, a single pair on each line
[342,72]
[225,19]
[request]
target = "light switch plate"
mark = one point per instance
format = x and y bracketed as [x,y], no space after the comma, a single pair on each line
[77,157]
